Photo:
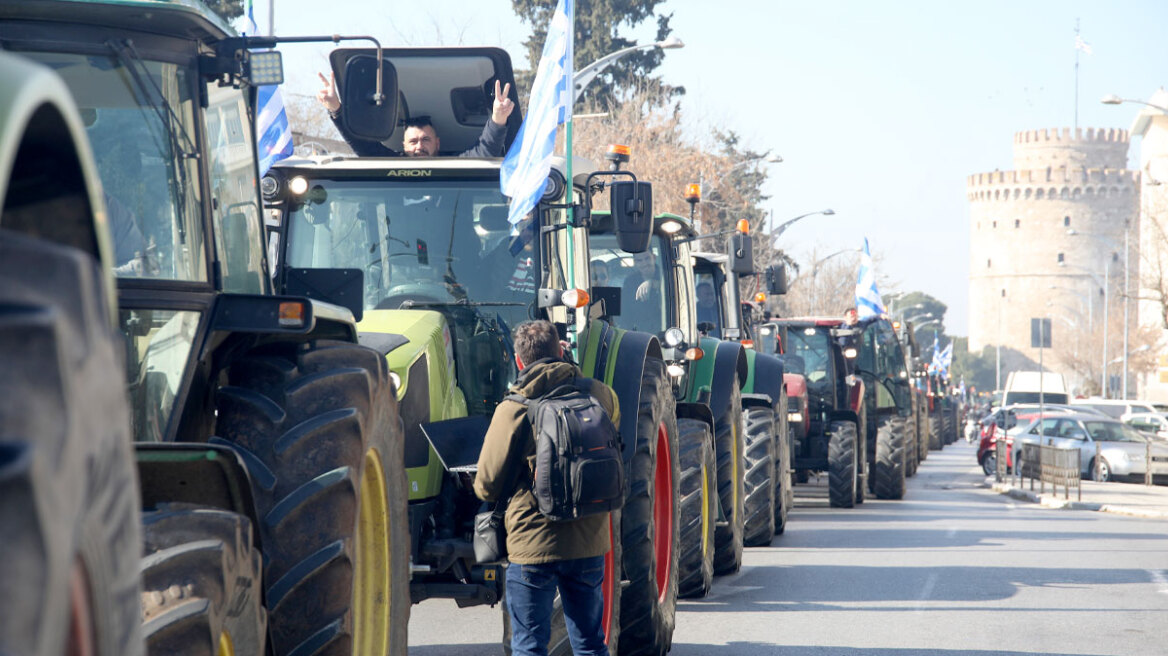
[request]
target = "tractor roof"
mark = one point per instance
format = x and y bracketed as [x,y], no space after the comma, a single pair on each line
[186,18]
[827,322]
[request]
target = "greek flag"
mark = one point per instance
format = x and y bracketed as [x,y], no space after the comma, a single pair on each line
[524,173]
[273,135]
[868,303]
[944,359]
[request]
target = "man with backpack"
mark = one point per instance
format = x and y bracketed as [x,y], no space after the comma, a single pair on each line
[553,449]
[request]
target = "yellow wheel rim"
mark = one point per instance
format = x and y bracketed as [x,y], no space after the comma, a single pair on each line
[705,509]
[371,570]
[226,647]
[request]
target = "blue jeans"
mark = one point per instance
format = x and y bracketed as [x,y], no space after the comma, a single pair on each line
[530,592]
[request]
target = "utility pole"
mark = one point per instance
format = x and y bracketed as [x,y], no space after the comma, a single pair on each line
[1126,303]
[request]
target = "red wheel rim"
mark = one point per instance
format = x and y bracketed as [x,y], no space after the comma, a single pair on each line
[608,587]
[81,640]
[663,511]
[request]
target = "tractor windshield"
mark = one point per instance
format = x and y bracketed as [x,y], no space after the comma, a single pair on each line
[639,277]
[813,347]
[139,116]
[419,244]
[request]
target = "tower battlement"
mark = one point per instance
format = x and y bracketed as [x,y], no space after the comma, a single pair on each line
[1090,148]
[1064,136]
[1040,183]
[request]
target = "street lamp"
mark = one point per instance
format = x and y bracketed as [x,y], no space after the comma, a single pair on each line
[1112,99]
[927,315]
[1126,305]
[584,76]
[768,158]
[815,275]
[1082,297]
[778,230]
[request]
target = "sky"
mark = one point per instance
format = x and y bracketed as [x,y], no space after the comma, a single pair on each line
[880,110]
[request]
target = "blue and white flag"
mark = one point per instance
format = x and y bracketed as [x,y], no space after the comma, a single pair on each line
[944,359]
[868,303]
[273,134]
[524,173]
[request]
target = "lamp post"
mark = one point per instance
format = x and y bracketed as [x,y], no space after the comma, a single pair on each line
[1126,306]
[1112,99]
[815,276]
[778,230]
[1082,297]
[927,315]
[584,76]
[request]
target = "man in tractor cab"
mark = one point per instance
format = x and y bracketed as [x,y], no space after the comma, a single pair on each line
[420,138]
[545,555]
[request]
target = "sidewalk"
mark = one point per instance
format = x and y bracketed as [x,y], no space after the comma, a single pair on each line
[1133,499]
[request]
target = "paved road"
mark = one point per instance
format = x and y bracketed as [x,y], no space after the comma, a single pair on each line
[955,568]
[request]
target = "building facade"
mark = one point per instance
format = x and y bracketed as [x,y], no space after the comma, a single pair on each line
[1047,239]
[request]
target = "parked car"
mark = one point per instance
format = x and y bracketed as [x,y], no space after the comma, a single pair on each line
[1122,449]
[1004,422]
[1114,408]
[1153,423]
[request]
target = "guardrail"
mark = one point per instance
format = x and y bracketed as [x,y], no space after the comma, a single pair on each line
[1049,464]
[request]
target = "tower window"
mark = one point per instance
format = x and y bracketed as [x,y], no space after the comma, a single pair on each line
[1017,223]
[988,263]
[995,224]
[1066,220]
[1060,258]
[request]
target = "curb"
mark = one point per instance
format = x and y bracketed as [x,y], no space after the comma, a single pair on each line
[1048,501]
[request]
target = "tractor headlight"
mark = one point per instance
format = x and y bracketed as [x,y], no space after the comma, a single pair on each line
[674,337]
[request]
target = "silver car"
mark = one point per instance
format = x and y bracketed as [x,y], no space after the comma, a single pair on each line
[1122,449]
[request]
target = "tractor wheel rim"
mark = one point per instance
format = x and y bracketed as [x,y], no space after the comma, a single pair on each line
[663,511]
[81,640]
[226,646]
[371,571]
[706,519]
[608,587]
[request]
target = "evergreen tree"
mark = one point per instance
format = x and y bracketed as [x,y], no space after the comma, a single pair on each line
[227,9]
[598,27]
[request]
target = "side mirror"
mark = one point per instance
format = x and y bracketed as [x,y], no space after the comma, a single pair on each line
[631,205]
[357,84]
[776,279]
[740,253]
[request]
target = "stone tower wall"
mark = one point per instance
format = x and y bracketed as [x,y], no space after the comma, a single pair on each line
[1019,223]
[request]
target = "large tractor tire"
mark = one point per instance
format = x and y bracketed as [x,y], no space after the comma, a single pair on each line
[699,509]
[953,426]
[784,485]
[558,642]
[69,500]
[729,446]
[910,446]
[759,500]
[935,428]
[318,427]
[843,465]
[923,435]
[649,521]
[201,583]
[888,477]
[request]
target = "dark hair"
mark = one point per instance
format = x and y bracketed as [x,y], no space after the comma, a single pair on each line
[418,122]
[536,340]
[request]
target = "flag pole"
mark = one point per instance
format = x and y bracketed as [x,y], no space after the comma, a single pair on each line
[570,91]
[1076,124]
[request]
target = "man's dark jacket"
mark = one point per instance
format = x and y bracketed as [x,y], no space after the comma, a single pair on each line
[490,142]
[508,458]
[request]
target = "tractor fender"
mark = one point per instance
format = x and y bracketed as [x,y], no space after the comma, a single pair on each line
[730,368]
[766,376]
[845,415]
[757,401]
[626,352]
[201,474]
[698,411]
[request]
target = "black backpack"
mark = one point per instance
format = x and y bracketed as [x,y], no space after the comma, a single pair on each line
[578,466]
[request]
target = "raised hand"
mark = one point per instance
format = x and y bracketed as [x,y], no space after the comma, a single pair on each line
[327,96]
[502,106]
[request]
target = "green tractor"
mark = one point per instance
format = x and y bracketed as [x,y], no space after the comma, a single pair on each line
[767,451]
[421,250]
[269,446]
[918,422]
[888,403]
[653,292]
[68,491]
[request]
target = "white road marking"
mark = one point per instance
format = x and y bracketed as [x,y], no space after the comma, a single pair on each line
[1159,578]
[927,592]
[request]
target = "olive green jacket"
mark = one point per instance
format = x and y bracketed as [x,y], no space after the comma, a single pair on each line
[509,455]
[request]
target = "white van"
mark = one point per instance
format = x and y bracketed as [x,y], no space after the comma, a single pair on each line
[1025,386]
